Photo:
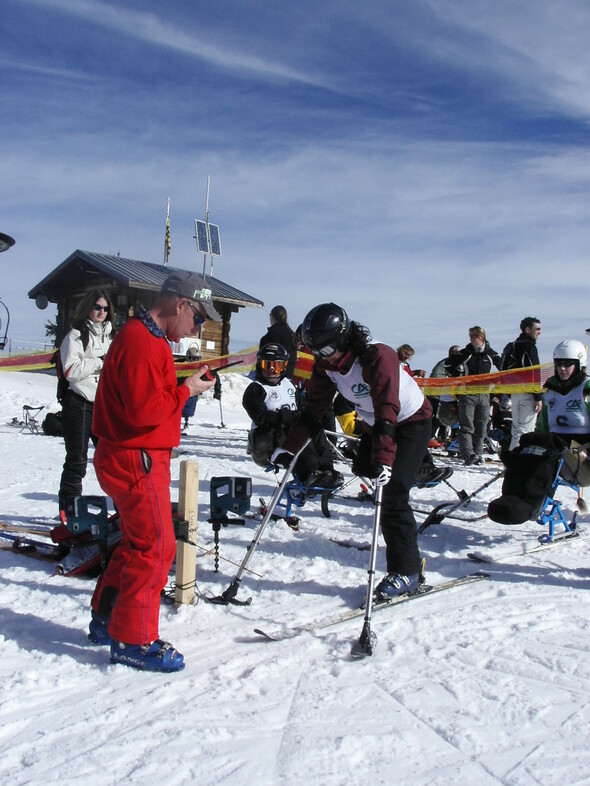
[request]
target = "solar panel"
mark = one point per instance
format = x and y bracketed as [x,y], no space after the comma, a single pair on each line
[202,236]
[215,240]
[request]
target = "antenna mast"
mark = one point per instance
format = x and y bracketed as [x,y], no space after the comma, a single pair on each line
[207,236]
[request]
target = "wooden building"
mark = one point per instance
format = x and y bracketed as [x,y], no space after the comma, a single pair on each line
[132,282]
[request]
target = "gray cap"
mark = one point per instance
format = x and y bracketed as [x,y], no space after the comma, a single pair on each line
[190,285]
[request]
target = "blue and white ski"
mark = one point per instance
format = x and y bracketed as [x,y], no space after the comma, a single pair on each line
[327,622]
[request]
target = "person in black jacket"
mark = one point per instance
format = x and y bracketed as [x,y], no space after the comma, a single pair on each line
[525,406]
[270,400]
[280,332]
[474,408]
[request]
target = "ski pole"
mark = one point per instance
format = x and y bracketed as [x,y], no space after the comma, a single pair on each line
[221,415]
[367,640]
[229,595]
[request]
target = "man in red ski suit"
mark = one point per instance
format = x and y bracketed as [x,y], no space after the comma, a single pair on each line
[137,417]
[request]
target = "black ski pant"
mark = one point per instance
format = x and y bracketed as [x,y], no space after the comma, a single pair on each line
[77,426]
[317,455]
[397,518]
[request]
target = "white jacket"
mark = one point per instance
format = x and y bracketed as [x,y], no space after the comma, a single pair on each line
[82,366]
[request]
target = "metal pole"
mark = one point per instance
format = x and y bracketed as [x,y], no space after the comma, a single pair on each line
[207,223]
[229,595]
[167,235]
[367,641]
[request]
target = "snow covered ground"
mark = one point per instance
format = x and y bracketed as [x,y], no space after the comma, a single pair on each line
[488,684]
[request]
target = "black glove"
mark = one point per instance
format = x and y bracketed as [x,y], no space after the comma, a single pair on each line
[217,387]
[272,419]
[281,458]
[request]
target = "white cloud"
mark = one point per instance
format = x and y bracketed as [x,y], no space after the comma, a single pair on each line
[157,31]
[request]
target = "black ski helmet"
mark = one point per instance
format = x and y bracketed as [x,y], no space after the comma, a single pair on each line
[272,353]
[325,329]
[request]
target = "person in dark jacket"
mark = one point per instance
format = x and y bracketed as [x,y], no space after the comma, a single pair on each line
[281,333]
[270,400]
[525,406]
[444,406]
[396,421]
[474,408]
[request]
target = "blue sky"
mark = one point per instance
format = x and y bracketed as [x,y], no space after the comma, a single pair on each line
[425,164]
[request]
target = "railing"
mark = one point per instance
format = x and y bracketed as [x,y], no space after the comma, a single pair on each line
[17,346]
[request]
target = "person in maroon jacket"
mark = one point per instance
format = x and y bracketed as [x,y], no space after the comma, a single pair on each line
[396,419]
[137,415]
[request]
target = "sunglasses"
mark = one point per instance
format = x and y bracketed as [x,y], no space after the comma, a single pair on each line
[96,307]
[198,319]
[565,363]
[276,366]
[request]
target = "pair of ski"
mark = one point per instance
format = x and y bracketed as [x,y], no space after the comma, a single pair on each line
[22,542]
[424,590]
[24,539]
[367,640]
[74,555]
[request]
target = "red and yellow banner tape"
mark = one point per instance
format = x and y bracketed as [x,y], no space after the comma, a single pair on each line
[520,380]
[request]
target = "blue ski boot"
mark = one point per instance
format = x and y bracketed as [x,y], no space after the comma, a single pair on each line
[157,656]
[395,584]
[98,629]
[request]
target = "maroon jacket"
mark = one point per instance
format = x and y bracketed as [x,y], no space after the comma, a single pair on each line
[381,372]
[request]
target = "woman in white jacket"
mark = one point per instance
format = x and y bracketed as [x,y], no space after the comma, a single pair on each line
[82,355]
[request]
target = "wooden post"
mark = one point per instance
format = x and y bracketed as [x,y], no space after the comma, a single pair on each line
[186,545]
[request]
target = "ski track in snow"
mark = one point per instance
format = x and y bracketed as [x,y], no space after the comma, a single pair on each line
[486,684]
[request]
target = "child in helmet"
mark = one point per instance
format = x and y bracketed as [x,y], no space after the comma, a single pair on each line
[566,400]
[396,421]
[564,417]
[271,403]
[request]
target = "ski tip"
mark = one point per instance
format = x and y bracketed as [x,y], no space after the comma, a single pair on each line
[478,557]
[278,635]
[263,633]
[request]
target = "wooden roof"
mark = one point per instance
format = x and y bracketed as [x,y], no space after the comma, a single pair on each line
[76,272]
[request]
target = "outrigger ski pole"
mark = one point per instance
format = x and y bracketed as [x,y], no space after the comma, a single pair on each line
[229,595]
[364,481]
[438,513]
[367,641]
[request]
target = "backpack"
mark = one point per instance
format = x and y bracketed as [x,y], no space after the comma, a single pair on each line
[52,425]
[508,359]
[62,381]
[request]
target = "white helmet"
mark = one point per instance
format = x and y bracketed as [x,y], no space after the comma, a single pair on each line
[570,349]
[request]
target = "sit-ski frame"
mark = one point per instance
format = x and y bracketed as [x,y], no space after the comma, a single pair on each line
[552,514]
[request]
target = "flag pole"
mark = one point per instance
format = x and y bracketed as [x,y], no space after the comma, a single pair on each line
[167,243]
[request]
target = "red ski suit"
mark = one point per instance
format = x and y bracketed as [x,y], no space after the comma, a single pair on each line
[137,416]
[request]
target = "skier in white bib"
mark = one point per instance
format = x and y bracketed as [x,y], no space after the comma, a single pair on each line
[396,419]
[270,400]
[566,400]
